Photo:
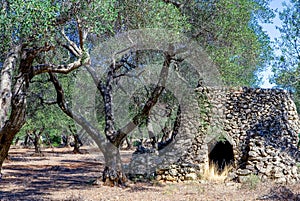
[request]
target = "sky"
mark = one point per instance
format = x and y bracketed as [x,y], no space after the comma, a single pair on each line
[273,33]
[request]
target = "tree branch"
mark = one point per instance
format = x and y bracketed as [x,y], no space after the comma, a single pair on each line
[80,33]
[144,113]
[174,3]
[96,79]
[62,68]
[72,46]
[95,135]
[175,130]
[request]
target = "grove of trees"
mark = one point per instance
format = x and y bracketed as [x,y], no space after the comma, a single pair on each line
[45,44]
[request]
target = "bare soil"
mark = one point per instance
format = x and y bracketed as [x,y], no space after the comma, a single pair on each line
[61,175]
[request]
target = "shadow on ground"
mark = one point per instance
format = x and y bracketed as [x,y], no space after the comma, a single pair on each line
[281,193]
[32,178]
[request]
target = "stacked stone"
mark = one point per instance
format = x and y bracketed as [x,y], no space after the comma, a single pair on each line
[197,152]
[269,163]
[178,173]
[264,123]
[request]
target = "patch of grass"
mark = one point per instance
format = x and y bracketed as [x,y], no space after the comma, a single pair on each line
[213,174]
[251,181]
[298,167]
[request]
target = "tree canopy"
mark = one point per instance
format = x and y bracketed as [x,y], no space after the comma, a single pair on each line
[231,34]
[287,62]
[228,30]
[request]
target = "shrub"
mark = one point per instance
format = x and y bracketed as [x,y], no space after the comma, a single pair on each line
[251,181]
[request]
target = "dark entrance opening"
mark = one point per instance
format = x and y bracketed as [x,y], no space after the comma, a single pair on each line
[221,155]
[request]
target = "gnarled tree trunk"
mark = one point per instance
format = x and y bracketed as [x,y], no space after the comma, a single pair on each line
[13,96]
[113,174]
[13,100]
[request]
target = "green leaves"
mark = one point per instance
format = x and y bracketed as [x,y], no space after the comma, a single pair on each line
[138,14]
[32,18]
[287,63]
[40,114]
[40,21]
[230,33]
[98,16]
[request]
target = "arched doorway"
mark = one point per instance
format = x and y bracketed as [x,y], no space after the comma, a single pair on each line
[221,155]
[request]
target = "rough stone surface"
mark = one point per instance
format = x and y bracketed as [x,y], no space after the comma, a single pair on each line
[262,125]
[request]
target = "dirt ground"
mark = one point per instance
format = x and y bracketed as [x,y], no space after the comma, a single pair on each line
[62,175]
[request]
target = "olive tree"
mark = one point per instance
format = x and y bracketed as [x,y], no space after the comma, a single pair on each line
[56,43]
[39,37]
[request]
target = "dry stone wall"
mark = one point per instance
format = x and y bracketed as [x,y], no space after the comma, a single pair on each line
[262,126]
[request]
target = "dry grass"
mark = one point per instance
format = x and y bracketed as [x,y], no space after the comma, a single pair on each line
[212,173]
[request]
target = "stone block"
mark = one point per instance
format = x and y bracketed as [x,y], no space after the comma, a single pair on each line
[191,176]
[243,172]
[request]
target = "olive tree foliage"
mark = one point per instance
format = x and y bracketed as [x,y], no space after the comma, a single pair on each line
[137,14]
[42,37]
[230,32]
[42,114]
[287,63]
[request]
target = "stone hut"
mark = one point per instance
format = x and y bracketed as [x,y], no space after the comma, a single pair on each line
[254,130]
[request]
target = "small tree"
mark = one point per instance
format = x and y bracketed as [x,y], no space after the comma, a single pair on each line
[76,140]
[35,137]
